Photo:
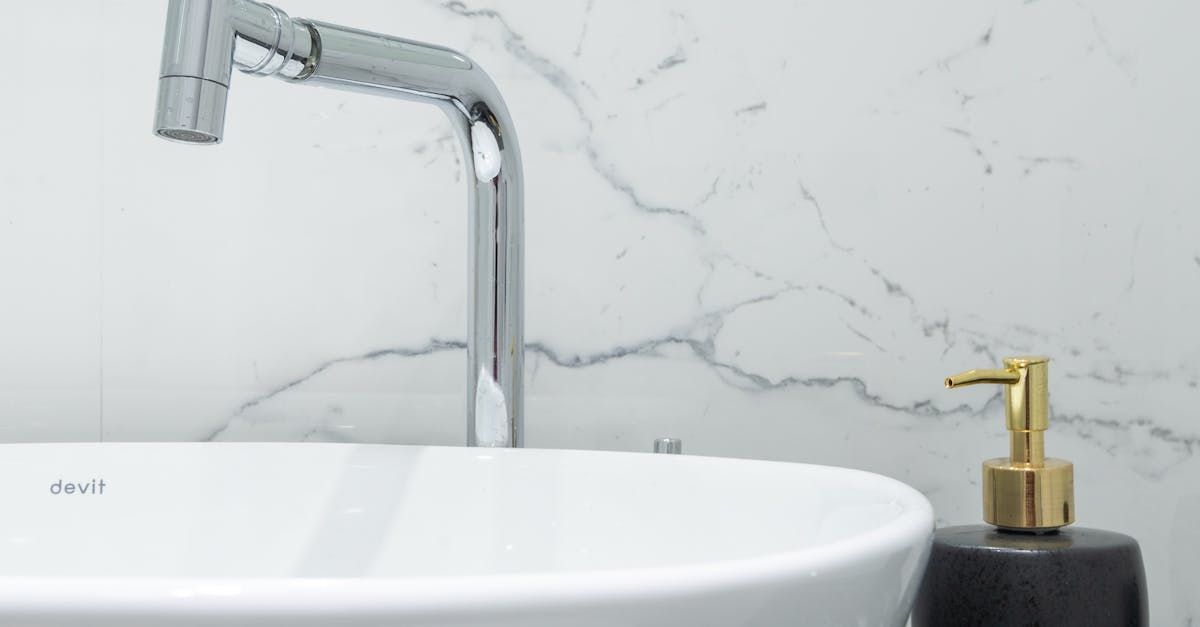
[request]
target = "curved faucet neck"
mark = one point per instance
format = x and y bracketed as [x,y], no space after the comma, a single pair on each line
[205,39]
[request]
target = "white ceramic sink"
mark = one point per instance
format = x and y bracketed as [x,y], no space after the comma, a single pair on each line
[340,534]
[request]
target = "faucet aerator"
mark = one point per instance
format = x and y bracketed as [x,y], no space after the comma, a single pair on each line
[190,109]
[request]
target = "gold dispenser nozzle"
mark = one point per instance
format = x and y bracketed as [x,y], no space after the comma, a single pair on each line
[1026,490]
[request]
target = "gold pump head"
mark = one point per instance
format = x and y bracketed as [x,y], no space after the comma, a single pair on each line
[1026,490]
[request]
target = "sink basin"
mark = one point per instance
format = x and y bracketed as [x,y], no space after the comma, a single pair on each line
[346,534]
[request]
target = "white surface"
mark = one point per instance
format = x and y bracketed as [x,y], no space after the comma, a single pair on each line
[319,534]
[767,228]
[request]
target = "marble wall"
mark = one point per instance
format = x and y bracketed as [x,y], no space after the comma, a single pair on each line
[767,228]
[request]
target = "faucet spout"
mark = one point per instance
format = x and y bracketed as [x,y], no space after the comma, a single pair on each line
[206,39]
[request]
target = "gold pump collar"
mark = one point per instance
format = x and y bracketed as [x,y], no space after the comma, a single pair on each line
[1026,490]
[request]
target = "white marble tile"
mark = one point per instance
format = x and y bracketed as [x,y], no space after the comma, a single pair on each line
[768,228]
[50,256]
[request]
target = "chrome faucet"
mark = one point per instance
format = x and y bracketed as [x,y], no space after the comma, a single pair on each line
[206,39]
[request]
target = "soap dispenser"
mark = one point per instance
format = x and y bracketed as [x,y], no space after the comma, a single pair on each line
[1026,567]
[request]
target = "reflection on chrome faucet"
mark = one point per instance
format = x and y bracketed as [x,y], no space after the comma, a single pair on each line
[206,39]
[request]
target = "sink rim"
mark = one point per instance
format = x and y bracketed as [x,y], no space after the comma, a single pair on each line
[431,593]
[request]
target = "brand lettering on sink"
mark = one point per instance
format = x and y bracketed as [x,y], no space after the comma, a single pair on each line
[95,486]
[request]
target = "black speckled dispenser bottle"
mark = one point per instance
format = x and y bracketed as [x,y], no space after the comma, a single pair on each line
[1025,568]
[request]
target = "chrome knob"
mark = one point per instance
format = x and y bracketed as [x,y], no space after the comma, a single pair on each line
[670,446]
